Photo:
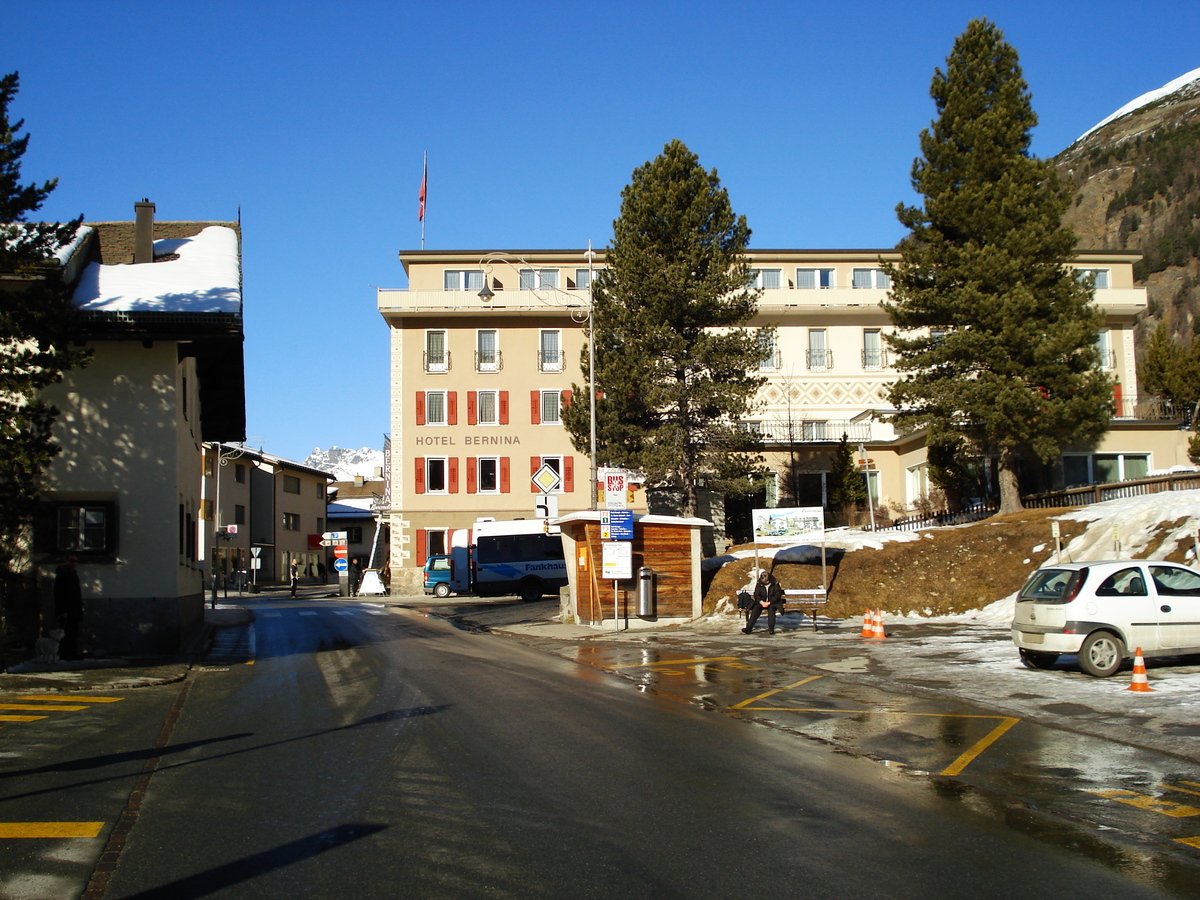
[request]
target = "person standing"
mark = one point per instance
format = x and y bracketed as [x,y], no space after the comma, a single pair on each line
[768,597]
[294,575]
[68,606]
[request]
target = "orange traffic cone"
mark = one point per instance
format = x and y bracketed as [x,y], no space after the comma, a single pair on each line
[868,623]
[877,632]
[1140,682]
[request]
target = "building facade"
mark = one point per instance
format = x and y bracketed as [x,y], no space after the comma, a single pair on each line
[260,513]
[478,377]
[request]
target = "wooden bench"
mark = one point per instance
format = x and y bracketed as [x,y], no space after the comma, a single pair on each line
[810,600]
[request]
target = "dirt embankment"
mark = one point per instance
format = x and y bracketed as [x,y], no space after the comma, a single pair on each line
[944,571]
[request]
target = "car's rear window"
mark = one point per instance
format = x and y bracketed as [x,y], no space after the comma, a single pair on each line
[1047,584]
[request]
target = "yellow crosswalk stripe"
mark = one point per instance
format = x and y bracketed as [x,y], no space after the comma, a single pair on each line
[50,829]
[69,698]
[30,706]
[21,718]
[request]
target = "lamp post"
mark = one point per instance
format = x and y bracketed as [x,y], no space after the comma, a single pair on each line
[223,459]
[579,315]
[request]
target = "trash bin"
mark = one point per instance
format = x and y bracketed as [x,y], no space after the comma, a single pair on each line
[645,591]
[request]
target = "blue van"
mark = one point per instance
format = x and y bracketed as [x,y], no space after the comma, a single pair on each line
[437,576]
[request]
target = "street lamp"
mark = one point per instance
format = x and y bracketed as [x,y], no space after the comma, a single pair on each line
[579,315]
[223,458]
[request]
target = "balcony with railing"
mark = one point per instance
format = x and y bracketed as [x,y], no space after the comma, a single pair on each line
[875,359]
[550,361]
[489,360]
[818,360]
[814,431]
[1148,409]
[436,362]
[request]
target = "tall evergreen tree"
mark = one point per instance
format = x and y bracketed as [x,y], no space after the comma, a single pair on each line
[996,335]
[673,358]
[847,487]
[1171,370]
[34,353]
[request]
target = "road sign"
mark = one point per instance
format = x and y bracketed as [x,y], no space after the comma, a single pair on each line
[254,551]
[340,551]
[341,565]
[615,487]
[334,536]
[620,524]
[546,479]
[330,543]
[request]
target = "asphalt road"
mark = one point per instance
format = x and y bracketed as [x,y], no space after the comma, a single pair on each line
[343,750]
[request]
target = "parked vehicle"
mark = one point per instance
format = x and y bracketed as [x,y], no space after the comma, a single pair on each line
[437,576]
[492,558]
[1104,611]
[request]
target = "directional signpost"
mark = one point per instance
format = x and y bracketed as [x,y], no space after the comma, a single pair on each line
[337,540]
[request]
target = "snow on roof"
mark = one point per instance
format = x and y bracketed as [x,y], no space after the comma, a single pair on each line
[205,278]
[1146,99]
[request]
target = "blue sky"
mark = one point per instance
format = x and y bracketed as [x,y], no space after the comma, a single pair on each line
[311,118]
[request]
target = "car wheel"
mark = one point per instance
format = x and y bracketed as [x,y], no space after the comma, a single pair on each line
[531,589]
[1101,654]
[1038,660]
[441,589]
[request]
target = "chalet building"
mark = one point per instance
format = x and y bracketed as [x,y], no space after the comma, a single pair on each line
[159,305]
[485,349]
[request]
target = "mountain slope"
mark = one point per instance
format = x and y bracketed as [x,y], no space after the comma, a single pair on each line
[1137,178]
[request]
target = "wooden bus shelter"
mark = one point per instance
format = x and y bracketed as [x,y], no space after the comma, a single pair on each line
[668,545]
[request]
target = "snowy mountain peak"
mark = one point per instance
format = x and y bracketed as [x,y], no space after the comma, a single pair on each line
[1146,99]
[345,464]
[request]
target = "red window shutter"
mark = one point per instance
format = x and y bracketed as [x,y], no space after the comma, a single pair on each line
[420,407]
[504,407]
[568,474]
[422,543]
[452,465]
[472,408]
[535,463]
[566,399]
[535,407]
[420,473]
[451,407]
[472,476]
[505,478]
[1117,399]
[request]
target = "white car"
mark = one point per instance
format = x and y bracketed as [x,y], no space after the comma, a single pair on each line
[1104,611]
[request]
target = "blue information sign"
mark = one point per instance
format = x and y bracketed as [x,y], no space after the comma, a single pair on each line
[341,565]
[620,524]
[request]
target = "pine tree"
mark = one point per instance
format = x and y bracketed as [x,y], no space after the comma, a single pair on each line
[846,485]
[34,309]
[996,335]
[673,358]
[1170,370]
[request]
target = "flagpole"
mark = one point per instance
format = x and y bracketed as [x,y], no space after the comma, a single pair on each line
[424,183]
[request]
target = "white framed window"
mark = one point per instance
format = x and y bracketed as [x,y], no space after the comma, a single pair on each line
[1100,275]
[550,355]
[463,280]
[873,354]
[814,279]
[583,279]
[551,411]
[488,477]
[487,350]
[769,352]
[435,542]
[818,357]
[437,356]
[83,527]
[1103,468]
[556,463]
[1104,350]
[814,430]
[435,407]
[436,479]
[766,279]
[539,279]
[870,278]
[487,409]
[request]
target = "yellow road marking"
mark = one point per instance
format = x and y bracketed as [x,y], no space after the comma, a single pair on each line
[1191,842]
[1175,787]
[744,703]
[30,706]
[1153,804]
[59,698]
[50,829]
[21,718]
[956,767]
[674,662]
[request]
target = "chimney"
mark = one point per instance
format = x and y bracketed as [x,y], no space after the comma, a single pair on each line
[143,232]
